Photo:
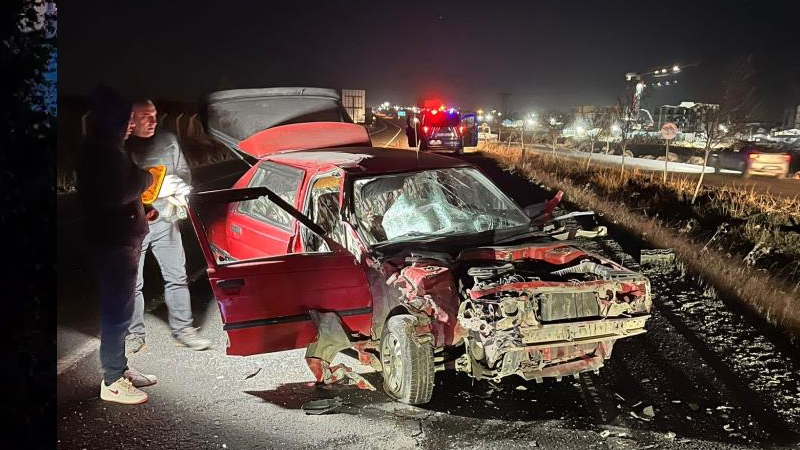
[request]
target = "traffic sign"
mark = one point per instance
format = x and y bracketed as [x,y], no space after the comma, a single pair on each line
[669,131]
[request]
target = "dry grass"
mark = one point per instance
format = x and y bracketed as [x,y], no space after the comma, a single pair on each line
[772,294]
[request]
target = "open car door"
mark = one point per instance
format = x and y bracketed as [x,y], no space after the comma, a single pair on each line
[265,302]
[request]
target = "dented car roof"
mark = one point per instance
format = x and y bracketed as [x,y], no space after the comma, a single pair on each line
[367,160]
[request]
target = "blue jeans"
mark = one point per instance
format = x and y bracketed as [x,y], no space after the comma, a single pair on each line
[164,239]
[116,271]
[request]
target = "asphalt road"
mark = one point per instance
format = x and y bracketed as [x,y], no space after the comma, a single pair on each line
[711,378]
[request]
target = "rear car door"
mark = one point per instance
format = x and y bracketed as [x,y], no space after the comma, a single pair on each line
[258,227]
[264,301]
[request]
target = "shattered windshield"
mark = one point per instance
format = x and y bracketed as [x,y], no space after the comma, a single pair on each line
[394,208]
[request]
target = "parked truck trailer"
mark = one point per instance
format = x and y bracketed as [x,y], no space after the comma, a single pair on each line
[354,101]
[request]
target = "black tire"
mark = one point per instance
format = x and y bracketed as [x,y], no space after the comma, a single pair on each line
[408,370]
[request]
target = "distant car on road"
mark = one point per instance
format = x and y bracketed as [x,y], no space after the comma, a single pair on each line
[418,263]
[441,130]
[753,159]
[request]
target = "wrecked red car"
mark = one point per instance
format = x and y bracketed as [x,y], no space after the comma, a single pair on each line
[415,262]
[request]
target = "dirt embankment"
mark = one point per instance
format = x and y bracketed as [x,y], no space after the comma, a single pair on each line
[746,245]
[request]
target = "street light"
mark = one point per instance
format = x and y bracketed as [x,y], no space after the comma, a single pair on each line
[676,69]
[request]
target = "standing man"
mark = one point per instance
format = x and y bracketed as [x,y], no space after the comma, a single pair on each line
[151,148]
[110,188]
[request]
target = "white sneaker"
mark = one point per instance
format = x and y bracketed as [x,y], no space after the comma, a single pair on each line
[122,391]
[139,379]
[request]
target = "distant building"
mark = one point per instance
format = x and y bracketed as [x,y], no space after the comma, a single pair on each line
[590,112]
[688,116]
[791,118]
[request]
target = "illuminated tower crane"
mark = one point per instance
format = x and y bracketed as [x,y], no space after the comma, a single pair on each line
[655,78]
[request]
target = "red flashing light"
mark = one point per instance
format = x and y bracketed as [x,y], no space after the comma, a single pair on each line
[434,112]
[425,129]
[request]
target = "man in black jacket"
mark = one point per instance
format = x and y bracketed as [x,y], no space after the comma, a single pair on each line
[110,187]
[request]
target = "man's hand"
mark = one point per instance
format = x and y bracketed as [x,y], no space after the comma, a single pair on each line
[178,200]
[150,213]
[174,186]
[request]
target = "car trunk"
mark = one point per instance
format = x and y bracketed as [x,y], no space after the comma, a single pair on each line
[260,122]
[237,114]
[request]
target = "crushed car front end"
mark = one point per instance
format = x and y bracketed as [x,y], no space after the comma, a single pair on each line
[545,310]
[441,249]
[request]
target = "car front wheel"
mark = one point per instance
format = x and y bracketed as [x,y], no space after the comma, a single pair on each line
[408,369]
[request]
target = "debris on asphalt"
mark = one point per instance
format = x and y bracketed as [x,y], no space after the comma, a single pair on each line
[649,412]
[337,374]
[521,388]
[728,427]
[670,435]
[322,406]
[608,433]
[221,377]
[619,396]
[694,406]
[253,374]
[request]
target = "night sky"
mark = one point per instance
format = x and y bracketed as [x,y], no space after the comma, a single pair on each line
[545,54]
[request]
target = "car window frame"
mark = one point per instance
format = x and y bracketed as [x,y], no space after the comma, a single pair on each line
[307,203]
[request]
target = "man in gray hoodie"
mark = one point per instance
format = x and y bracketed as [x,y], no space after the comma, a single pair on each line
[151,148]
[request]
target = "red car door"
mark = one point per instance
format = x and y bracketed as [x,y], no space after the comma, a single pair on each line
[264,302]
[258,228]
